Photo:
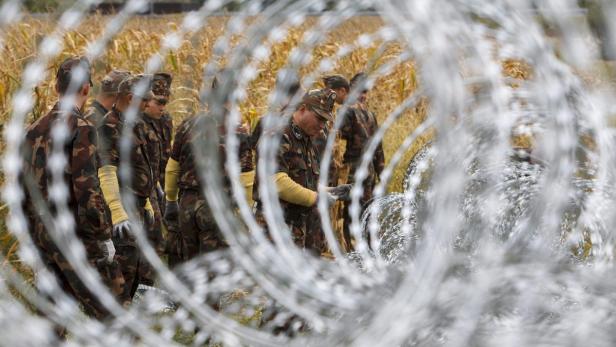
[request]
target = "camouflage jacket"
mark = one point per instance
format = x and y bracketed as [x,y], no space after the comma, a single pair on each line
[164,128]
[182,152]
[297,158]
[155,146]
[80,172]
[359,125]
[144,152]
[95,113]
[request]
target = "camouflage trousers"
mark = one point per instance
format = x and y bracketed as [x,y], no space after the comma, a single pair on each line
[305,229]
[173,244]
[135,268]
[368,185]
[198,231]
[155,231]
[67,277]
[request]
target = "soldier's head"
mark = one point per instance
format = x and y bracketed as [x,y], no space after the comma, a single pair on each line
[314,111]
[358,81]
[109,87]
[338,84]
[134,89]
[161,90]
[73,79]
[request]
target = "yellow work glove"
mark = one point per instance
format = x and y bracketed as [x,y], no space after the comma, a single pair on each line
[172,175]
[293,192]
[111,192]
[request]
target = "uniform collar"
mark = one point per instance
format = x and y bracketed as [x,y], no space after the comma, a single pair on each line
[74,109]
[297,131]
[99,106]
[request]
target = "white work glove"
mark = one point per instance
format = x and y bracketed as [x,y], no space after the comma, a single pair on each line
[108,250]
[341,192]
[121,230]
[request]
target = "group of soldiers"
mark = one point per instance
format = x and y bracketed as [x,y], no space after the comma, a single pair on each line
[128,126]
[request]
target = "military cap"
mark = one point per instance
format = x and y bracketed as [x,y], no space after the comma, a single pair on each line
[161,84]
[321,101]
[131,84]
[65,72]
[111,81]
[336,82]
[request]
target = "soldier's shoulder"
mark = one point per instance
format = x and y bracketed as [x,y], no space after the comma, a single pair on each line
[39,127]
[83,120]
[111,117]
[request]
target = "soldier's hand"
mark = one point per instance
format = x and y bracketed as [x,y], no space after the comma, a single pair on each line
[160,193]
[171,212]
[148,218]
[341,192]
[108,250]
[331,198]
[121,230]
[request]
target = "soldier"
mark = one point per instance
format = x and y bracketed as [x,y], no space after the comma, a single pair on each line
[143,156]
[107,96]
[161,87]
[298,170]
[359,125]
[199,231]
[160,139]
[85,200]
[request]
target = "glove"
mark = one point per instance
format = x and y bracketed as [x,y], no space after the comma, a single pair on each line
[160,196]
[171,212]
[148,218]
[121,230]
[108,250]
[341,192]
[331,198]
[160,193]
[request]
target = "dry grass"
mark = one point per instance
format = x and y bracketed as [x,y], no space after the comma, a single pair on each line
[141,37]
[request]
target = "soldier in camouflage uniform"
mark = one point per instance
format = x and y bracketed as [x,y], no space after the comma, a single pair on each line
[144,158]
[156,127]
[199,232]
[161,87]
[298,170]
[85,199]
[107,96]
[358,126]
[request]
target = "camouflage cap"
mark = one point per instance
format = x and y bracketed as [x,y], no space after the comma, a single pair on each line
[321,101]
[111,81]
[131,84]
[161,84]
[336,82]
[66,70]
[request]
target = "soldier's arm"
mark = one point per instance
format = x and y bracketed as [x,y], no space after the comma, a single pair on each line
[172,170]
[293,192]
[172,174]
[108,172]
[379,155]
[92,215]
[346,132]
[289,190]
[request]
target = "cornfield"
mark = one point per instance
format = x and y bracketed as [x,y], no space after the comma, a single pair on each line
[141,37]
